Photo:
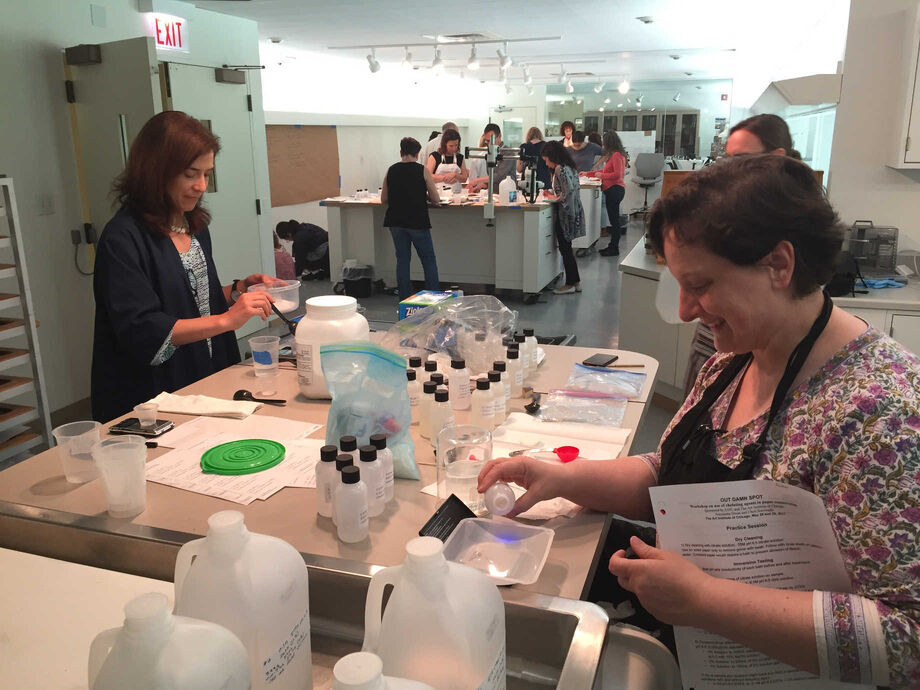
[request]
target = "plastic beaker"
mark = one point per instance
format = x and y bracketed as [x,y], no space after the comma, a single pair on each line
[265,362]
[122,463]
[76,441]
[146,414]
[462,453]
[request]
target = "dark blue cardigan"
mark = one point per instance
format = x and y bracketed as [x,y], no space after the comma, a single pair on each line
[141,290]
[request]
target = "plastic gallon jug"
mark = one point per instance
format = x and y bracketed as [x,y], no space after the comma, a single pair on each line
[329,319]
[364,671]
[156,650]
[444,623]
[256,587]
[507,191]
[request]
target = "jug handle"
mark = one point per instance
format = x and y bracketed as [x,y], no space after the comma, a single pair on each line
[184,559]
[99,652]
[372,610]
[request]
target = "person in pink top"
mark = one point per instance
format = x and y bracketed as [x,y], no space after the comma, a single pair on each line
[611,177]
[284,262]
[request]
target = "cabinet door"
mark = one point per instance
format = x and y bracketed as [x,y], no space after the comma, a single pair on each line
[905,328]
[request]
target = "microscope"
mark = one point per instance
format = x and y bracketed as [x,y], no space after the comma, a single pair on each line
[529,185]
[492,154]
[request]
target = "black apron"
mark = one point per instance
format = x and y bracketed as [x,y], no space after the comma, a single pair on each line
[687,458]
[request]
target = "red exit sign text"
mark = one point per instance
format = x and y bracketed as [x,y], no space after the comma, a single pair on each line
[169,32]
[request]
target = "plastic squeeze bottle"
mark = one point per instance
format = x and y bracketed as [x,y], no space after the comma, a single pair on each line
[424,408]
[459,382]
[342,460]
[526,357]
[442,414]
[531,341]
[501,366]
[385,456]
[326,480]
[415,394]
[349,444]
[515,373]
[481,405]
[373,474]
[498,397]
[351,506]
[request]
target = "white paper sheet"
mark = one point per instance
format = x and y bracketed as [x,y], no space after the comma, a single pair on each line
[204,429]
[761,532]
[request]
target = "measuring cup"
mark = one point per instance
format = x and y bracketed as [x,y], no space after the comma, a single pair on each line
[122,463]
[462,453]
[75,444]
[564,453]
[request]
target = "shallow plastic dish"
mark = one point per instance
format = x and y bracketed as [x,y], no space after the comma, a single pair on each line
[506,551]
[286,294]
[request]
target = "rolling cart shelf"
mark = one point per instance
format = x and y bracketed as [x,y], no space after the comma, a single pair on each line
[23,441]
[11,386]
[8,301]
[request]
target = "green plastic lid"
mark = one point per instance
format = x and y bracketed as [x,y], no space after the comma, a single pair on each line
[242,457]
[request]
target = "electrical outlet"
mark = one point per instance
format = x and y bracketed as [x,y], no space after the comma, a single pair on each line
[76,237]
[45,204]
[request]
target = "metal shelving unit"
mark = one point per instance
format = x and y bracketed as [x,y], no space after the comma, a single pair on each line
[23,399]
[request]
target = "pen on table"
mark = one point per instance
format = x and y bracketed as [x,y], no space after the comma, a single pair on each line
[151,444]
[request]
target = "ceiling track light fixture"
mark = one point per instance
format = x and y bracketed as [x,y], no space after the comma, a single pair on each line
[619,105]
[569,86]
[600,87]
[676,97]
[601,109]
[563,75]
[623,87]
[675,57]
[504,62]
[407,60]
[473,62]
[652,109]
[528,80]
[606,101]
[529,90]
[437,64]
[372,63]
[507,88]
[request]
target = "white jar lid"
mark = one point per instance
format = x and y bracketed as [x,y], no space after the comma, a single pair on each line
[328,305]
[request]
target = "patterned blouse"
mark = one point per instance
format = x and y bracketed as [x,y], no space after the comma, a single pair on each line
[196,269]
[851,435]
[570,213]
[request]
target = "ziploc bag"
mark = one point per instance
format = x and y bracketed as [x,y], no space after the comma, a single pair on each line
[369,396]
[626,384]
[587,407]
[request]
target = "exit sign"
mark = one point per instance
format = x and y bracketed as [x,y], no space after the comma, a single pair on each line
[169,32]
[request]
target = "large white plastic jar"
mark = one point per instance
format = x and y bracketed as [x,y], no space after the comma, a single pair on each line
[256,586]
[444,623]
[329,319]
[155,649]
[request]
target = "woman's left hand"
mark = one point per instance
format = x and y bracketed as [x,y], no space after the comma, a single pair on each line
[668,585]
[256,279]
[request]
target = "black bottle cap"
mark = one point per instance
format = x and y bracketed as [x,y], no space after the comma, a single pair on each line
[499,365]
[482,384]
[519,338]
[348,443]
[328,453]
[351,475]
[437,377]
[429,387]
[507,342]
[441,395]
[457,364]
[415,362]
[480,337]
[368,453]
[379,441]
[495,376]
[514,346]
[513,354]
[342,461]
[431,365]
[528,332]
[410,374]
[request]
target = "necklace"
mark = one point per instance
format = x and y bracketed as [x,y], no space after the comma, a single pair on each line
[179,230]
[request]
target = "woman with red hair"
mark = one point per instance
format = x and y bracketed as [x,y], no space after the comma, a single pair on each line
[163,318]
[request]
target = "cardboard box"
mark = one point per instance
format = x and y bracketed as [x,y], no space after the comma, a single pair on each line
[422,299]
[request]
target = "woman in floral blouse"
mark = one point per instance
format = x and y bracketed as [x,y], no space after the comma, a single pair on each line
[800,392]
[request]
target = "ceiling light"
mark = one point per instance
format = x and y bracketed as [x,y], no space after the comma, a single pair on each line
[619,105]
[629,100]
[676,97]
[675,57]
[407,60]
[437,64]
[623,87]
[561,102]
[606,100]
[276,39]
[689,74]
[372,63]
[528,80]
[645,19]
[600,87]
[699,88]
[601,109]
[579,101]
[569,87]
[563,75]
[652,109]
[504,62]
[473,62]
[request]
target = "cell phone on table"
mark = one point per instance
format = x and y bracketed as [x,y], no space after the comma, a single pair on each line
[132,425]
[600,360]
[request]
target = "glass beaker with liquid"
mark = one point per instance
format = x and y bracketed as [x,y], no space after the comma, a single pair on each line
[462,453]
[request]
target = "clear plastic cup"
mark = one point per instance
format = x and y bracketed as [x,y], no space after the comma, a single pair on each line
[122,463]
[147,414]
[462,453]
[265,362]
[75,443]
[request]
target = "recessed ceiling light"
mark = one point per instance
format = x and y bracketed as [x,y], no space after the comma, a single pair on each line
[623,87]
[689,74]
[645,19]
[606,100]
[675,57]
[601,109]
[276,39]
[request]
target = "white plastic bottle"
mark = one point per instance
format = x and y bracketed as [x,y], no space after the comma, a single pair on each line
[385,456]
[507,189]
[497,389]
[499,499]
[155,649]
[531,341]
[351,506]
[442,415]
[342,460]
[415,362]
[459,382]
[501,366]
[364,671]
[424,412]
[515,373]
[444,623]
[372,474]
[526,357]
[415,394]
[255,586]
[481,411]
[326,480]
[329,319]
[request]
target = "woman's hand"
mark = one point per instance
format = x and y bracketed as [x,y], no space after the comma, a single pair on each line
[256,303]
[542,480]
[668,585]
[256,279]
[549,196]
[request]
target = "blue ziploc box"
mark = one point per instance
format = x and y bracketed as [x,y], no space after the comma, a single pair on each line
[422,299]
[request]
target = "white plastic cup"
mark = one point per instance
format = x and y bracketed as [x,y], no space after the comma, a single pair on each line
[122,463]
[265,362]
[75,442]
[147,414]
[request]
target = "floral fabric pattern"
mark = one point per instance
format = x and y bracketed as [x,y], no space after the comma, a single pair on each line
[851,435]
[196,269]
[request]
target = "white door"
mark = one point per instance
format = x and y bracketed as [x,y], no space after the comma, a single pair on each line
[113,100]
[233,203]
[514,123]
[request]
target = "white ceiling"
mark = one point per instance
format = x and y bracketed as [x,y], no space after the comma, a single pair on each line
[712,38]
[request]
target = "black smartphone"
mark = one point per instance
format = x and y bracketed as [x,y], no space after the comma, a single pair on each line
[132,425]
[600,360]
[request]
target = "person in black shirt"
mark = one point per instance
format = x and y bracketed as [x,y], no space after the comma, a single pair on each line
[407,188]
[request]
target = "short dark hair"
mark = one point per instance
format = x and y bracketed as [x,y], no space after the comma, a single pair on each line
[409,146]
[492,127]
[286,229]
[772,131]
[557,153]
[595,138]
[448,136]
[578,136]
[741,208]
[434,135]
[567,123]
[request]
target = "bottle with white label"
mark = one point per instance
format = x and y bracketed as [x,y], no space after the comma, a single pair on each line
[459,382]
[326,480]
[364,671]
[351,506]
[526,357]
[424,408]
[256,586]
[441,415]
[373,477]
[349,444]
[342,461]
[531,341]
[501,366]
[481,410]
[515,373]
[385,456]
[415,394]
[498,398]
[444,622]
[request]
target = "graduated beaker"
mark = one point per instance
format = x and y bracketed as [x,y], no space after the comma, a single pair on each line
[462,453]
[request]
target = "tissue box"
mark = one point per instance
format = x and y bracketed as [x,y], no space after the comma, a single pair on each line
[423,299]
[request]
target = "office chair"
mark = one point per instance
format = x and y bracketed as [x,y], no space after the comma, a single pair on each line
[647,172]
